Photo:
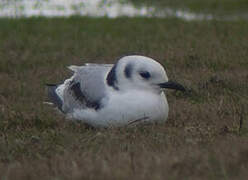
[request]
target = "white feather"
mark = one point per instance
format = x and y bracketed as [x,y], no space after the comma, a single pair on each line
[137,100]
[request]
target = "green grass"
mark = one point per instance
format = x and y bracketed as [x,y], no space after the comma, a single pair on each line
[219,7]
[205,136]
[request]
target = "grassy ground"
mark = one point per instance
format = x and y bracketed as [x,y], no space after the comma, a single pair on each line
[205,136]
[223,7]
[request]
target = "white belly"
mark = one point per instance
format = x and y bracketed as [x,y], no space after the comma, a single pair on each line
[127,109]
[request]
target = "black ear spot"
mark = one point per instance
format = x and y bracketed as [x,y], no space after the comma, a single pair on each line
[145,74]
[128,70]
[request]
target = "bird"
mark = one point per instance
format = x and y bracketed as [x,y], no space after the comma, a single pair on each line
[127,93]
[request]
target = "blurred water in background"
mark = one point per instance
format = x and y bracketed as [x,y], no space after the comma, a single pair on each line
[93,8]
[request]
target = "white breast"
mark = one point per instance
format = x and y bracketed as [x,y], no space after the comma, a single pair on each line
[128,108]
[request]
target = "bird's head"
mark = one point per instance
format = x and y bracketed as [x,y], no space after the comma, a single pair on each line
[140,73]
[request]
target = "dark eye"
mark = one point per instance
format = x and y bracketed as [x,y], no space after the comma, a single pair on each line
[145,74]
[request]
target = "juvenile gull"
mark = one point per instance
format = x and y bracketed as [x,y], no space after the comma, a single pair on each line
[113,95]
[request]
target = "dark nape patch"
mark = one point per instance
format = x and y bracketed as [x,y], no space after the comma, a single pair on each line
[128,70]
[79,95]
[111,78]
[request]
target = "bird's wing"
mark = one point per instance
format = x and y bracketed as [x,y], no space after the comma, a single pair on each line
[86,88]
[95,64]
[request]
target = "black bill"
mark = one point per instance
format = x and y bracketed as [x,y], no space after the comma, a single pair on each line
[172,85]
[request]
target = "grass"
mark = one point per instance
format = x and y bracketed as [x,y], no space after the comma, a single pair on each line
[205,136]
[224,7]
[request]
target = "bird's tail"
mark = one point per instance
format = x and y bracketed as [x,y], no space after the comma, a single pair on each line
[53,96]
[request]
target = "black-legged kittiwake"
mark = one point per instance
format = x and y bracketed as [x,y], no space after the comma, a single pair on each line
[113,95]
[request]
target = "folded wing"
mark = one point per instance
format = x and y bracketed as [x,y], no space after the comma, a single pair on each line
[85,89]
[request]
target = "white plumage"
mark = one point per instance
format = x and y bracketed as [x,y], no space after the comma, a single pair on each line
[106,95]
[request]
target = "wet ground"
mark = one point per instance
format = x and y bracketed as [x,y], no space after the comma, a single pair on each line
[108,8]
